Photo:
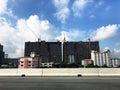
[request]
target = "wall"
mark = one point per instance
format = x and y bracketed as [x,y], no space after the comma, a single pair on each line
[62,72]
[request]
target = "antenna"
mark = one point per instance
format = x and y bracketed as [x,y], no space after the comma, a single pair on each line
[64,39]
[39,39]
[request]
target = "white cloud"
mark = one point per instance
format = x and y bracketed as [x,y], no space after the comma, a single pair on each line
[79,5]
[105,32]
[4,10]
[13,38]
[62,10]
[3,6]
[115,53]
[71,35]
[118,44]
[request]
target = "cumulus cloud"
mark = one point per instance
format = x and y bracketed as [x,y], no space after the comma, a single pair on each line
[62,10]
[4,10]
[70,35]
[79,5]
[105,32]
[13,38]
[118,44]
[115,53]
[3,6]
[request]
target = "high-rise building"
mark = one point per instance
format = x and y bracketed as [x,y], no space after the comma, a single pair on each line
[73,52]
[1,55]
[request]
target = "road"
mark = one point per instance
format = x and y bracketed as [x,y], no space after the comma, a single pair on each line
[59,83]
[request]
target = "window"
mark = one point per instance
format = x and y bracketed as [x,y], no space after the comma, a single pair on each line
[21,61]
[45,64]
[21,65]
[29,65]
[29,61]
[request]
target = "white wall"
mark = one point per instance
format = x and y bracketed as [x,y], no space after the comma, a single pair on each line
[62,72]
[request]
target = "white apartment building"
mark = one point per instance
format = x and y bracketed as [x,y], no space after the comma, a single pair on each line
[101,58]
[115,62]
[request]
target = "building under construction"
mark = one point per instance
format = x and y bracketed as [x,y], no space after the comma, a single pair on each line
[1,55]
[73,52]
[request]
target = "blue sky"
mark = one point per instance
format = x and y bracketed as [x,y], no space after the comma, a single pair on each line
[77,20]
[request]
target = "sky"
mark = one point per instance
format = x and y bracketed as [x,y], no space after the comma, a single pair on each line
[51,20]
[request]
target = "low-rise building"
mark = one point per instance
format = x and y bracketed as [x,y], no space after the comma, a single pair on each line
[86,62]
[28,62]
[47,64]
[11,62]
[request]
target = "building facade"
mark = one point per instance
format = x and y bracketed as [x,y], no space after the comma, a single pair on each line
[101,58]
[86,62]
[73,52]
[28,62]
[115,62]
[1,55]
[47,65]
[11,62]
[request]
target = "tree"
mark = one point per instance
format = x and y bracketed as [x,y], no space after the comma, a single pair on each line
[104,66]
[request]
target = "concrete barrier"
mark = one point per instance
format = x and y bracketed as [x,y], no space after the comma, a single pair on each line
[61,72]
[109,71]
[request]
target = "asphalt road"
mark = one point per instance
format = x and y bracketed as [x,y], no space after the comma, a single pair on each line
[59,83]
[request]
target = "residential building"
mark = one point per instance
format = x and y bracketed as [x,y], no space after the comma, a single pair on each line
[115,62]
[101,58]
[86,62]
[73,52]
[29,62]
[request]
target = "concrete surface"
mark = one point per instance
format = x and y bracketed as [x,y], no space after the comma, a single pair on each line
[59,83]
[61,72]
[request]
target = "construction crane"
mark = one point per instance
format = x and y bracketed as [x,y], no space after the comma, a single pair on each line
[39,40]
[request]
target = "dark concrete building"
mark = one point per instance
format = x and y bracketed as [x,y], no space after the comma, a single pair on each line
[48,51]
[73,52]
[11,62]
[1,55]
